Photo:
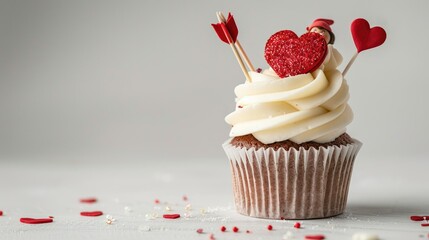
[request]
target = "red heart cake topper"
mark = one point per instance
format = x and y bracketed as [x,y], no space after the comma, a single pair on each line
[366,37]
[290,55]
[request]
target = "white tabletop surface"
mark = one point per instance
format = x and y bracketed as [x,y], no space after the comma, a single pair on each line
[381,200]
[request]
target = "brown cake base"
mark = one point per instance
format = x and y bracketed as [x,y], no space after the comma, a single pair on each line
[289,181]
[249,141]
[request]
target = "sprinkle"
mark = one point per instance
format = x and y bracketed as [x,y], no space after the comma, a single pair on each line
[91,214]
[88,200]
[259,70]
[127,209]
[185,198]
[144,228]
[188,207]
[157,201]
[1,213]
[419,218]
[36,220]
[223,228]
[425,224]
[211,236]
[110,219]
[171,216]
[270,227]
[297,225]
[235,229]
[288,235]
[365,236]
[200,230]
[248,231]
[151,216]
[315,237]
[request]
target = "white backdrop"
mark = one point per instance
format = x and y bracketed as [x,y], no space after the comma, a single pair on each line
[101,80]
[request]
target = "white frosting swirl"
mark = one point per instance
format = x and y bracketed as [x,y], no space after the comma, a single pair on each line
[302,108]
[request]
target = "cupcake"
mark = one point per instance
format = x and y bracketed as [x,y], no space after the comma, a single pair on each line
[290,154]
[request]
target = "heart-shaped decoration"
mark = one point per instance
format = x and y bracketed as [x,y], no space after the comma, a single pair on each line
[290,55]
[365,37]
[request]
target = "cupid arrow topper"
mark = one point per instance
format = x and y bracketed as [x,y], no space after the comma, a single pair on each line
[227,31]
[365,38]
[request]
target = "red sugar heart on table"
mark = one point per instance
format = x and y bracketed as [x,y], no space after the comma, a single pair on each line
[171,216]
[91,214]
[88,200]
[290,55]
[36,220]
[365,37]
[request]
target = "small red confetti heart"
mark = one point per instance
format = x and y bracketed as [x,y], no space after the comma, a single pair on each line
[91,214]
[200,230]
[235,229]
[171,216]
[36,220]
[270,227]
[223,228]
[289,55]
[88,200]
[365,37]
[314,237]
[297,225]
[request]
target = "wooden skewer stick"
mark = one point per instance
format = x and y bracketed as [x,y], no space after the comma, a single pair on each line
[240,48]
[350,64]
[234,49]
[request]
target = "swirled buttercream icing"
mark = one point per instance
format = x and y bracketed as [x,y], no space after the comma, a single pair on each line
[301,108]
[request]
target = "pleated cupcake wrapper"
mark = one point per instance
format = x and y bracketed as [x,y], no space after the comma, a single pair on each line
[293,184]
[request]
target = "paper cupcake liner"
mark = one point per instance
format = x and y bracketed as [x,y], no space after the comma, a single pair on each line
[293,184]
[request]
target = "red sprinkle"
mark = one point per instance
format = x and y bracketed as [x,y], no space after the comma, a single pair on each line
[270,227]
[36,220]
[200,230]
[91,214]
[157,201]
[297,225]
[1,213]
[425,224]
[248,231]
[419,218]
[235,229]
[171,216]
[314,237]
[88,200]
[223,228]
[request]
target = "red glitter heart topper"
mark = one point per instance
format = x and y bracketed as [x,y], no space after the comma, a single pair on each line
[290,55]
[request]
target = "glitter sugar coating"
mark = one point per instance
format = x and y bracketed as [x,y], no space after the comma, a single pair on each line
[290,55]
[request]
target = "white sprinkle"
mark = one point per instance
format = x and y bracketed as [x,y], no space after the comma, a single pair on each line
[144,228]
[365,236]
[288,236]
[151,216]
[188,207]
[127,209]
